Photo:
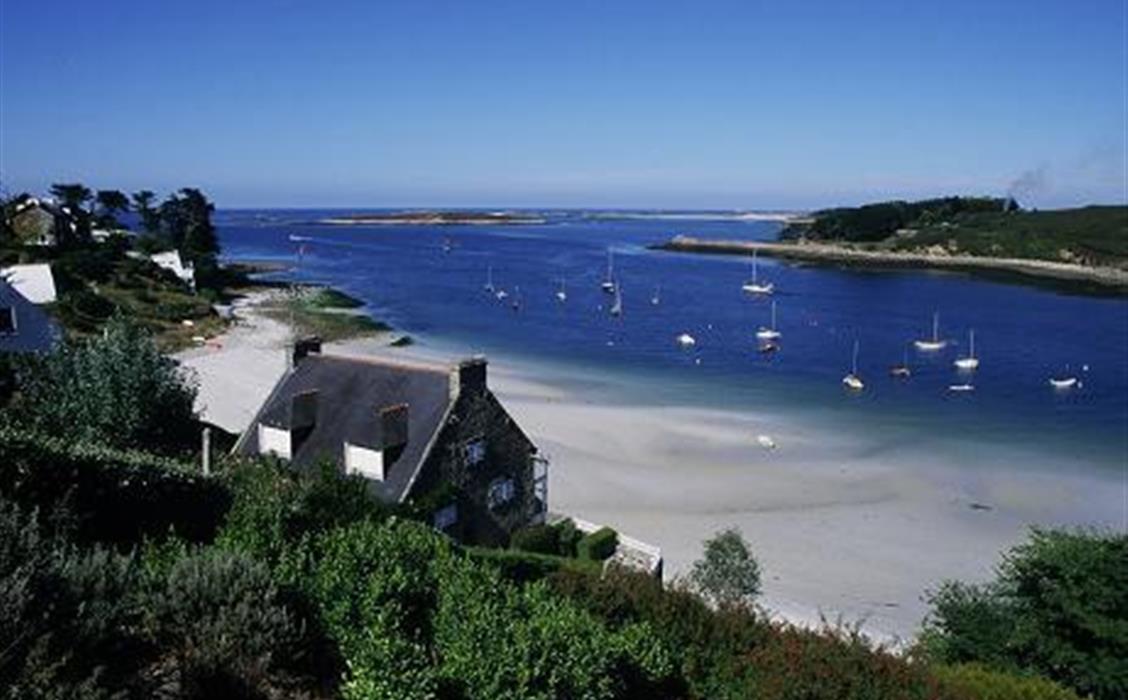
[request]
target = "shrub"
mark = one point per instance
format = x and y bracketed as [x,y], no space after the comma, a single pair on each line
[117,388]
[220,619]
[523,567]
[543,539]
[65,615]
[834,662]
[1057,608]
[114,496]
[982,683]
[728,573]
[597,545]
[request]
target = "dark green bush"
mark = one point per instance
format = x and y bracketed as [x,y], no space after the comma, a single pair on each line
[116,388]
[523,567]
[114,496]
[542,539]
[225,629]
[982,683]
[597,545]
[1057,608]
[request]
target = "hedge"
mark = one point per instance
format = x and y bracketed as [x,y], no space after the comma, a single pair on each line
[114,496]
[522,567]
[598,545]
[982,683]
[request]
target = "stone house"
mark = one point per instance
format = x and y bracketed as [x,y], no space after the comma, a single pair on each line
[429,435]
[38,223]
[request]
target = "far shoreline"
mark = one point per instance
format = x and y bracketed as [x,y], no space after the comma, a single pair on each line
[1094,281]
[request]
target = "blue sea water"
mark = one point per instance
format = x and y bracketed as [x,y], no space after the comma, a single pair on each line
[1024,334]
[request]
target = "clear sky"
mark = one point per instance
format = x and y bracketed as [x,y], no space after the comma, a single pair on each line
[570,103]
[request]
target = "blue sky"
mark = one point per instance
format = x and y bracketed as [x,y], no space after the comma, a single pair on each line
[529,103]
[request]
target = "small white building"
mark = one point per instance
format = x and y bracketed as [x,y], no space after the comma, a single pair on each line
[34,282]
[170,260]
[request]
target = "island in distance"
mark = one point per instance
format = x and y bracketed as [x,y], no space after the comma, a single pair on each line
[435,218]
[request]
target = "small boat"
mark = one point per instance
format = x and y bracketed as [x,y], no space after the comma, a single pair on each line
[852,381]
[489,286]
[766,442]
[617,307]
[561,294]
[970,362]
[769,333]
[1064,382]
[961,387]
[502,295]
[657,298]
[686,340]
[608,284]
[768,346]
[935,343]
[448,244]
[754,286]
[902,370]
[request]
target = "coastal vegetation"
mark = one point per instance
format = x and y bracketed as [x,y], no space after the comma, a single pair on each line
[1093,235]
[127,573]
[325,313]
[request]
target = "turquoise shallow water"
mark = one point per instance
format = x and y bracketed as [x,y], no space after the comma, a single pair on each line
[1024,334]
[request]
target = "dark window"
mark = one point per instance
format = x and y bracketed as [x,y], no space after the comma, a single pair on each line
[7,319]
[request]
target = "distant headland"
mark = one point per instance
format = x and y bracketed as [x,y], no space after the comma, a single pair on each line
[435,218]
[1087,245]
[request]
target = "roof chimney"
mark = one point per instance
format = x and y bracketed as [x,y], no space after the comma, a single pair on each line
[304,347]
[469,377]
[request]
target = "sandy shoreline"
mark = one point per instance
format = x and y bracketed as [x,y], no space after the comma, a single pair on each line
[1112,278]
[842,524]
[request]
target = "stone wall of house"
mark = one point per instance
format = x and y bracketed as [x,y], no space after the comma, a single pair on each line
[478,415]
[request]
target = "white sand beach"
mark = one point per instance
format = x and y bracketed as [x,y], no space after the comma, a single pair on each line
[841,524]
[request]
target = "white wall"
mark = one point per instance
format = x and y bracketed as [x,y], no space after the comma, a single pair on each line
[364,461]
[274,441]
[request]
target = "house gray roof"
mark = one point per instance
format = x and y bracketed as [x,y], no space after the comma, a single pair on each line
[34,330]
[351,392]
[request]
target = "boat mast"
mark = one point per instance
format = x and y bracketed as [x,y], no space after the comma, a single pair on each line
[854,363]
[935,326]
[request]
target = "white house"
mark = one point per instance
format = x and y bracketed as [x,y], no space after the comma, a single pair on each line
[170,260]
[24,327]
[34,282]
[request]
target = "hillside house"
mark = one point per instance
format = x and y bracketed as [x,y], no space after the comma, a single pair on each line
[24,327]
[426,434]
[38,222]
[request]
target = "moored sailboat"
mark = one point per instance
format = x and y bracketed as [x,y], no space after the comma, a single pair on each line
[934,343]
[608,284]
[852,381]
[754,286]
[971,361]
[769,333]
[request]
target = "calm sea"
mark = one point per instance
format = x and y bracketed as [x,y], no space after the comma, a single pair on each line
[428,281]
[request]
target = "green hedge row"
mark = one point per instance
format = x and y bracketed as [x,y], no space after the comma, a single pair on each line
[523,567]
[597,545]
[114,496]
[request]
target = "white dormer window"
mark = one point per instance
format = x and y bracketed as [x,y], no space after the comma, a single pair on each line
[474,452]
[501,491]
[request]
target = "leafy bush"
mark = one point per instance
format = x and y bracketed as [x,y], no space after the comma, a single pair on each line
[728,573]
[597,545]
[273,505]
[524,567]
[982,683]
[1057,608]
[542,539]
[116,388]
[224,625]
[114,496]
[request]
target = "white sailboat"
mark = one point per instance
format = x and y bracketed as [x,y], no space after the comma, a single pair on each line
[489,280]
[1064,382]
[561,294]
[961,387]
[769,333]
[852,381]
[617,307]
[902,371]
[686,340]
[657,298]
[935,343]
[608,284]
[970,362]
[754,286]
